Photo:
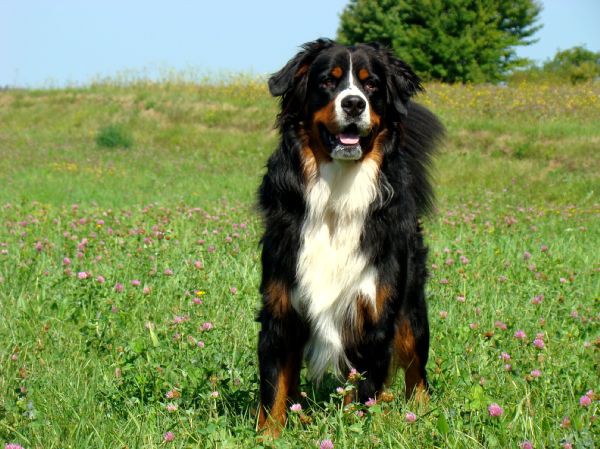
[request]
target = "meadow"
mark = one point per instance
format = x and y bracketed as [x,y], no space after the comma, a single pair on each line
[129,274]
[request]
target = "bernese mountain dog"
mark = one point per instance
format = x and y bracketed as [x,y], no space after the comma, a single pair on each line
[343,258]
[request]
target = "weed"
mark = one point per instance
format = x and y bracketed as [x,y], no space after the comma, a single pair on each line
[114,136]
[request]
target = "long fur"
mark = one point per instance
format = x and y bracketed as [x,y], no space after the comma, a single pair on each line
[344,263]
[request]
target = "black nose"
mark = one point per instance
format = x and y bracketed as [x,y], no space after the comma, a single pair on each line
[353,105]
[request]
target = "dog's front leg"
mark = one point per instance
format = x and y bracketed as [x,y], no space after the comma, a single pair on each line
[280,345]
[374,367]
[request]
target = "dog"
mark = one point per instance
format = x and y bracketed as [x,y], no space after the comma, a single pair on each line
[343,257]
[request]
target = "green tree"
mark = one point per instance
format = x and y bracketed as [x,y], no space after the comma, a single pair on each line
[578,64]
[575,65]
[449,40]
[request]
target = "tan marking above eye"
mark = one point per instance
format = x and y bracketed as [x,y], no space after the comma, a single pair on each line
[363,74]
[337,72]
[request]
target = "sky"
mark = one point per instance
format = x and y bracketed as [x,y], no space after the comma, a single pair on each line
[49,43]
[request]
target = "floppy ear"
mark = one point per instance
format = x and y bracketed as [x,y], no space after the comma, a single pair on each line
[281,82]
[402,82]
[406,82]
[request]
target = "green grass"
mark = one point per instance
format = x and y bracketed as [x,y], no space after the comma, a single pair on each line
[83,365]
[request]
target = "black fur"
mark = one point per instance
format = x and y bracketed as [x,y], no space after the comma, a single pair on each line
[391,237]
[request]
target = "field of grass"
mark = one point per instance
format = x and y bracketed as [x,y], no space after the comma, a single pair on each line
[129,275]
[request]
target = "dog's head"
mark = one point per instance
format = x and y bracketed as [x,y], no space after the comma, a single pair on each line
[344,96]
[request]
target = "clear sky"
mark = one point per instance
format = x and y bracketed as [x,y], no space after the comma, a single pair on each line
[55,42]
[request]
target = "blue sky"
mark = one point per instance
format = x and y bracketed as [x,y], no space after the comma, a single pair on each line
[55,42]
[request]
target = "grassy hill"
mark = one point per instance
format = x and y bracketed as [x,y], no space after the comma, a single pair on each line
[128,275]
[198,143]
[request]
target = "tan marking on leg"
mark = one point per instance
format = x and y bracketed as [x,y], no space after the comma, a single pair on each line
[277,299]
[365,312]
[353,331]
[270,422]
[384,292]
[406,357]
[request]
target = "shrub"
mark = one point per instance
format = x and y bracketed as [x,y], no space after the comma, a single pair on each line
[574,65]
[114,136]
[577,64]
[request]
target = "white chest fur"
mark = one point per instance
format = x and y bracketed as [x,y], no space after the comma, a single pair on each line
[331,270]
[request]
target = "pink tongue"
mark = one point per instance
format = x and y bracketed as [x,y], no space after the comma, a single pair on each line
[349,139]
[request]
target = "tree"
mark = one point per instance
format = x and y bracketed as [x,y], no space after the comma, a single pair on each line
[449,40]
[578,64]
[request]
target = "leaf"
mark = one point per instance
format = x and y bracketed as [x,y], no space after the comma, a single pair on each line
[375,409]
[153,337]
[492,440]
[138,346]
[477,397]
[356,428]
[442,425]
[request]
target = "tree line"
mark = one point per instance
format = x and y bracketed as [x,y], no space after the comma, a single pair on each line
[462,40]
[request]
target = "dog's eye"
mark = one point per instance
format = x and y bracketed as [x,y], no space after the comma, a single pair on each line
[328,83]
[370,85]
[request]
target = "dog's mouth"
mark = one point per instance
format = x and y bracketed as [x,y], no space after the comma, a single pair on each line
[348,145]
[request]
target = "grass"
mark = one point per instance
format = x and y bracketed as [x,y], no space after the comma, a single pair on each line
[112,261]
